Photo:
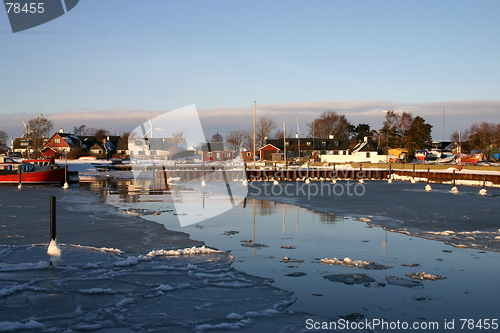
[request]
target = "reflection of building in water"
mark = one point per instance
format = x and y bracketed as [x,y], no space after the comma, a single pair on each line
[384,243]
[330,218]
[266,207]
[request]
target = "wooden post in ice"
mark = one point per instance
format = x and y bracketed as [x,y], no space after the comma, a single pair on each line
[52,218]
[454,189]
[390,174]
[428,187]
[483,191]
[308,181]
[413,175]
[203,182]
[20,186]
[166,179]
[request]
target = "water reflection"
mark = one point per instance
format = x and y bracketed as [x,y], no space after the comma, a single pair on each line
[257,235]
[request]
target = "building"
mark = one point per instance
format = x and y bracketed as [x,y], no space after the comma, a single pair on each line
[216,151]
[25,146]
[309,146]
[247,156]
[62,142]
[363,152]
[266,152]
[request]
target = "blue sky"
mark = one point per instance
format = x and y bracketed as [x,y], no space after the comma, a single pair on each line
[126,58]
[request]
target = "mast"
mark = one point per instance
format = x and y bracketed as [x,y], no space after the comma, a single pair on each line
[443,122]
[254,131]
[298,134]
[284,142]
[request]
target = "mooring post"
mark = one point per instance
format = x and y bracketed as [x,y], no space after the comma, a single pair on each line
[52,218]
[413,170]
[453,177]
[20,174]
[166,179]
[428,175]
[484,182]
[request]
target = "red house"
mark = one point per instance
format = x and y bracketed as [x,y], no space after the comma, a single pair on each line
[63,142]
[247,156]
[266,152]
[214,151]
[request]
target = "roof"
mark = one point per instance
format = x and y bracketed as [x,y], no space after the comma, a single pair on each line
[212,146]
[17,143]
[270,145]
[314,143]
[365,146]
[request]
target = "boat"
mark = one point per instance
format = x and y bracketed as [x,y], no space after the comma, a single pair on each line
[494,155]
[42,171]
[421,154]
[474,157]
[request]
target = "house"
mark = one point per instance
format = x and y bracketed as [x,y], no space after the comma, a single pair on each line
[63,142]
[25,145]
[216,151]
[161,148]
[48,152]
[266,152]
[363,152]
[247,156]
[308,146]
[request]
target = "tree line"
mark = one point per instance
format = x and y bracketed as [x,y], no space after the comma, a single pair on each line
[398,131]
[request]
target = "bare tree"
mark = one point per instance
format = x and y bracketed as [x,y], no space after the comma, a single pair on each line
[280,134]
[236,138]
[178,136]
[264,129]
[80,130]
[37,129]
[99,133]
[217,138]
[330,123]
[4,138]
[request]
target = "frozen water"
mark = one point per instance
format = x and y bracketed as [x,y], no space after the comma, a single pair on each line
[120,273]
[297,238]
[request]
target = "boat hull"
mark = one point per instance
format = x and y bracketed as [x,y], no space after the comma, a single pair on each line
[49,176]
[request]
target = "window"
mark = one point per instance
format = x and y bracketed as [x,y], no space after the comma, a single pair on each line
[209,154]
[57,140]
[287,143]
[248,154]
[335,152]
[335,143]
[323,143]
[367,154]
[308,143]
[24,143]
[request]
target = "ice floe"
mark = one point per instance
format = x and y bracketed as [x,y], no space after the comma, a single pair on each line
[397,281]
[348,262]
[424,276]
[350,278]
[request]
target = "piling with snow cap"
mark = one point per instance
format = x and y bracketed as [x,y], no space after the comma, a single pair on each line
[52,218]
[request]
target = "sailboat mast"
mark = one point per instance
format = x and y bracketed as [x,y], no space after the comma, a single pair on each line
[298,134]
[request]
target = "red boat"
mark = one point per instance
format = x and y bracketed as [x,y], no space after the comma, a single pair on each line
[30,171]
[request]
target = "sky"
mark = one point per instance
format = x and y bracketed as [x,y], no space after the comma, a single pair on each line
[112,64]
